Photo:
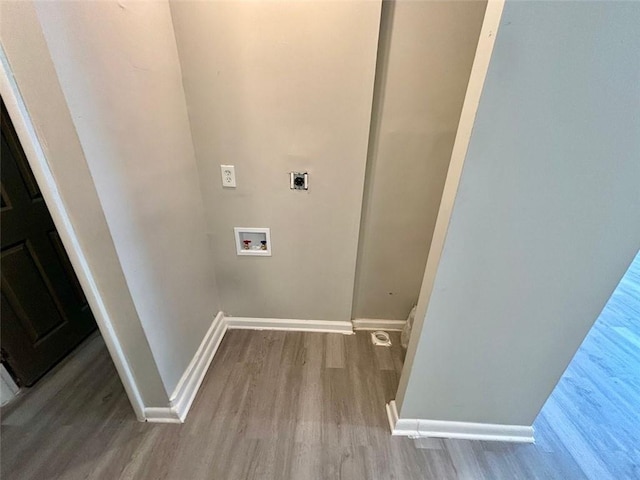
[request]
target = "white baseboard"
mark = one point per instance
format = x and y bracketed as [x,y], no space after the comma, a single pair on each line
[378,324]
[293,325]
[419,428]
[161,415]
[187,388]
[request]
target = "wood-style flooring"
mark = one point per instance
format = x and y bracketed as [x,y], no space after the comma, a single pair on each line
[593,415]
[304,406]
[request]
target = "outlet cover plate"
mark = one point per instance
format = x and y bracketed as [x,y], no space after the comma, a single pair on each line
[228,173]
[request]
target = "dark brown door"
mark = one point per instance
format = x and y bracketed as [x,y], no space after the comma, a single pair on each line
[44,311]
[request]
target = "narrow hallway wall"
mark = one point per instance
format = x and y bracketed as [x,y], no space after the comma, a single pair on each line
[424,60]
[118,67]
[28,57]
[546,218]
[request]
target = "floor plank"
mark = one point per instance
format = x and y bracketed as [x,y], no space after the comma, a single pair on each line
[594,412]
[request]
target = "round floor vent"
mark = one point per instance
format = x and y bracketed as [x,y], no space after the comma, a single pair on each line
[381,338]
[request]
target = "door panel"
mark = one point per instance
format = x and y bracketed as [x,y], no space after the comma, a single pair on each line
[44,311]
[29,291]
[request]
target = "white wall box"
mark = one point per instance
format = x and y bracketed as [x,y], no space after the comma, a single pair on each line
[253,241]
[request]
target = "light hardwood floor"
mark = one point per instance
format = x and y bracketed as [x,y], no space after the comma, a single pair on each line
[278,405]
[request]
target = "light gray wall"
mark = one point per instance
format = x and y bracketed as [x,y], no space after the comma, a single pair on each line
[425,56]
[546,219]
[274,87]
[118,67]
[27,53]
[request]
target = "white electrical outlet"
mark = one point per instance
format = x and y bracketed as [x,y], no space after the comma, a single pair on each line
[228,175]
